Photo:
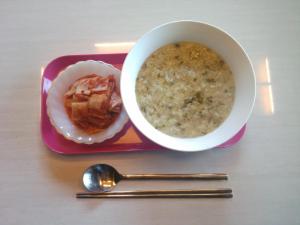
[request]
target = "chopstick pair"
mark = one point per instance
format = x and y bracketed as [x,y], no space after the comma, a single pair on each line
[202,193]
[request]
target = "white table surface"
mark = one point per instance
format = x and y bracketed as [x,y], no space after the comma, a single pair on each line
[38,186]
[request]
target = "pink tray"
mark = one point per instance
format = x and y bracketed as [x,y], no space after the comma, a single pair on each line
[129,139]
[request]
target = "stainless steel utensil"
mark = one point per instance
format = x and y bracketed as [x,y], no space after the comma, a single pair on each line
[203,193]
[103,177]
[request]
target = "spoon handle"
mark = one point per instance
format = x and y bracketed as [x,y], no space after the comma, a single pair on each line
[195,176]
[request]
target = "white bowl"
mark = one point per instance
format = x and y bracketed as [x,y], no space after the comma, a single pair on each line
[212,37]
[55,103]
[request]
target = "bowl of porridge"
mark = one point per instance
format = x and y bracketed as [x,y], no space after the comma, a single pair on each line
[188,86]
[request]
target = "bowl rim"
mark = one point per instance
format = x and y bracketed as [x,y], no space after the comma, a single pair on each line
[123,89]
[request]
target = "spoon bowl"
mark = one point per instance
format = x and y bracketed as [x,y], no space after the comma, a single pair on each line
[101,177]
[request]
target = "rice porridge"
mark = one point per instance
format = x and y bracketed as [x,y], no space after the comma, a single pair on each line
[185,89]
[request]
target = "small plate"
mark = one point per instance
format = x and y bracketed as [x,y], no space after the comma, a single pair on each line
[129,139]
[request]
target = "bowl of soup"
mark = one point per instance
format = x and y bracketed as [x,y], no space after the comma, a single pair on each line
[188,86]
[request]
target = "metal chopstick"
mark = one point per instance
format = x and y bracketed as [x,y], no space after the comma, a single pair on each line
[220,195]
[203,193]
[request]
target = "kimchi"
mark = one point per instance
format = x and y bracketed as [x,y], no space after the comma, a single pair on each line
[93,102]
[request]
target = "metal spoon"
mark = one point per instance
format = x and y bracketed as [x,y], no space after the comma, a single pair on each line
[103,177]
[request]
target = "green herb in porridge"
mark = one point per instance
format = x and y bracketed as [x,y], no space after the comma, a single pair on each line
[185,89]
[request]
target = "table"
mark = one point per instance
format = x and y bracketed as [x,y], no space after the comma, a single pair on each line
[38,186]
